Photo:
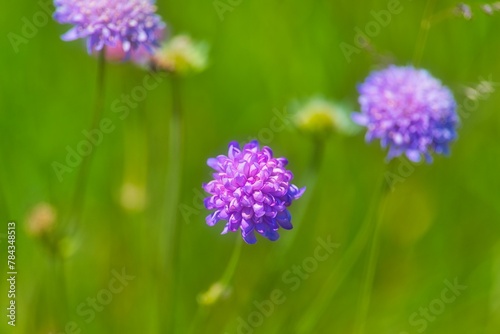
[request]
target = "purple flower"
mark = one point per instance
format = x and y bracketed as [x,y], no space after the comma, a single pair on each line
[251,191]
[131,23]
[140,56]
[409,111]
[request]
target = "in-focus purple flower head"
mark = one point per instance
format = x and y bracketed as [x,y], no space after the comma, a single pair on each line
[410,111]
[251,191]
[132,23]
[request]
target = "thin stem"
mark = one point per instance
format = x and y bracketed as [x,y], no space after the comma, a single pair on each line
[58,306]
[441,16]
[81,183]
[228,274]
[370,271]
[371,266]
[342,269]
[172,191]
[200,316]
[77,203]
[225,280]
[135,161]
[318,155]
[61,286]
[425,25]
[310,180]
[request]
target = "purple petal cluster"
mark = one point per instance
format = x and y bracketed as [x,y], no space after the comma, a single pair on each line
[131,23]
[410,111]
[251,191]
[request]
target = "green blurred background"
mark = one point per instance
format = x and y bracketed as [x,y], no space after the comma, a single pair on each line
[441,223]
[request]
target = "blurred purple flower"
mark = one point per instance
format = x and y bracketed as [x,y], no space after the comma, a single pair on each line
[140,56]
[463,10]
[409,111]
[132,23]
[251,190]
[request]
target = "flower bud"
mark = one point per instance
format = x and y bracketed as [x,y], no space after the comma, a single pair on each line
[321,118]
[133,197]
[181,55]
[41,220]
[216,292]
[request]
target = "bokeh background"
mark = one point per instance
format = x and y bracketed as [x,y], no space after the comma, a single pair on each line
[441,223]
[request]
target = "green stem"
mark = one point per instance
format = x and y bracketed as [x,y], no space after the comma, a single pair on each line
[79,194]
[225,280]
[318,155]
[371,266]
[441,16]
[370,272]
[57,303]
[228,274]
[310,180]
[135,160]
[61,287]
[172,191]
[81,182]
[425,26]
[200,316]
[340,272]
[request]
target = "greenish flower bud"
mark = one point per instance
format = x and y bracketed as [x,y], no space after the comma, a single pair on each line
[321,118]
[181,55]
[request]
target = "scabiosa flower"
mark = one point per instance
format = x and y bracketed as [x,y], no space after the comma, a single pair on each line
[251,190]
[132,23]
[140,56]
[463,10]
[409,111]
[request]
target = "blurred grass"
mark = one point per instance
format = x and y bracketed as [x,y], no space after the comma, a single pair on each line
[442,223]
